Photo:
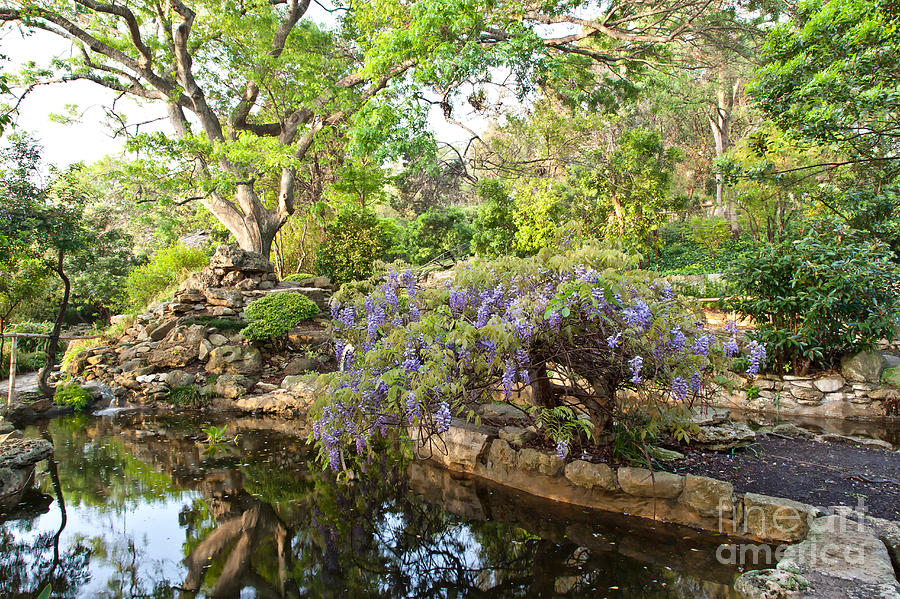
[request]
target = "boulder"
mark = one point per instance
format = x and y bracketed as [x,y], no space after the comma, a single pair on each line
[179,378]
[792,430]
[891,376]
[232,386]
[159,332]
[641,482]
[829,384]
[863,367]
[517,436]
[502,454]
[710,497]
[235,359]
[21,453]
[538,461]
[459,448]
[724,436]
[180,347]
[776,519]
[589,475]
[502,411]
[839,558]
[228,298]
[233,258]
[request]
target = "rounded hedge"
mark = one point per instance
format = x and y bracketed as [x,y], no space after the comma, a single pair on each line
[273,315]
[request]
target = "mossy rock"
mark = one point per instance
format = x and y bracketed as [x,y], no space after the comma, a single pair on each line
[891,376]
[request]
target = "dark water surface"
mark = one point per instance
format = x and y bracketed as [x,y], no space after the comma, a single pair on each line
[147,511]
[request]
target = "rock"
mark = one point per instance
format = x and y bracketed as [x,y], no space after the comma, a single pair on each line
[203,351]
[891,376]
[710,497]
[300,364]
[764,384]
[20,453]
[517,436]
[806,395]
[538,461]
[776,519]
[709,416]
[724,436]
[179,378]
[829,384]
[14,482]
[502,454]
[232,386]
[233,258]
[641,482]
[180,347]
[291,381]
[840,558]
[589,475]
[280,402]
[221,311]
[158,333]
[235,359]
[502,411]
[664,455]
[218,340]
[228,298]
[877,443]
[6,427]
[459,448]
[863,367]
[791,430]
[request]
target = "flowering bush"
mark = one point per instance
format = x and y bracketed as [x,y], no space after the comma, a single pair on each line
[567,326]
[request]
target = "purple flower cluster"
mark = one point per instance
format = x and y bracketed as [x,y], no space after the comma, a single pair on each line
[562,449]
[757,357]
[679,388]
[730,348]
[702,344]
[678,340]
[442,418]
[636,364]
[639,315]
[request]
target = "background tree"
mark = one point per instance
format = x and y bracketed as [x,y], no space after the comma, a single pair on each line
[265,85]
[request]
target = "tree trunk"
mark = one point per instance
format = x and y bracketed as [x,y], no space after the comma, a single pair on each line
[720,123]
[53,344]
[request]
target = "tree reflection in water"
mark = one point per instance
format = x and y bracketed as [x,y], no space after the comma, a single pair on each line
[259,521]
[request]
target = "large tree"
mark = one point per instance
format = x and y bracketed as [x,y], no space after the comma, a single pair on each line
[251,86]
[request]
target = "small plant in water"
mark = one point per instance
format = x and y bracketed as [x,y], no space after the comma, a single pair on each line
[215,435]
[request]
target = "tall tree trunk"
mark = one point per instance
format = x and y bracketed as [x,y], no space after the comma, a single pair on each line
[720,123]
[53,344]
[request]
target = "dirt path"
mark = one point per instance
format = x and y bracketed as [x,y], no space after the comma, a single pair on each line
[819,473]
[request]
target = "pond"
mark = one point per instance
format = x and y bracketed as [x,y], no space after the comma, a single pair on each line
[139,506]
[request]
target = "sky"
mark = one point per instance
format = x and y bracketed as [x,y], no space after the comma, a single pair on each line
[90,137]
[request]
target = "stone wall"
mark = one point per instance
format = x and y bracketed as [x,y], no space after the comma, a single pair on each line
[697,501]
[856,392]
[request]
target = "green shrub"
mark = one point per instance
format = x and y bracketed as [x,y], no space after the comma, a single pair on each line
[71,395]
[439,232]
[818,298]
[158,278]
[273,315]
[354,239]
[187,396]
[300,276]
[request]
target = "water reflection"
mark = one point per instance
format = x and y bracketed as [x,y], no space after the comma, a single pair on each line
[147,513]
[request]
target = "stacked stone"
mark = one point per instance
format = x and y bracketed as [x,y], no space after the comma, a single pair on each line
[151,355]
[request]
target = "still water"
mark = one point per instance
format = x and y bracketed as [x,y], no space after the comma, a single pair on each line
[139,506]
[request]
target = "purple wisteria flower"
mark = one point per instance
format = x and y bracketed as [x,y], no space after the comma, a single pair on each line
[613,340]
[730,348]
[679,388]
[562,449]
[678,339]
[757,357]
[702,344]
[696,382]
[459,301]
[442,418]
[636,364]
[639,315]
[409,281]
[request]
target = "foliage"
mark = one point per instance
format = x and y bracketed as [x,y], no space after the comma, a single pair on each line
[414,358]
[438,233]
[354,239]
[186,396]
[273,315]
[832,72]
[495,230]
[158,278]
[300,276]
[817,298]
[679,252]
[71,395]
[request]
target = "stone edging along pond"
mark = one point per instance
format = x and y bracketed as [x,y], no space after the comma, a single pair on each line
[824,552]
